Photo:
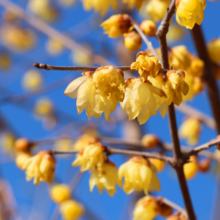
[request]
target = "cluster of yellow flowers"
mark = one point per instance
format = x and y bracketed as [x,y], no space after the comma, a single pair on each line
[69,208]
[181,58]
[100,91]
[121,24]
[190,12]
[138,173]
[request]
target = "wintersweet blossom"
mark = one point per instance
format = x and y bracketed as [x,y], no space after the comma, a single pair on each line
[100,5]
[40,167]
[106,178]
[146,208]
[191,168]
[60,193]
[190,12]
[214,50]
[21,159]
[146,65]
[117,25]
[83,141]
[99,92]
[175,82]
[134,3]
[71,210]
[190,130]
[132,41]
[91,157]
[139,175]
[149,27]
[135,104]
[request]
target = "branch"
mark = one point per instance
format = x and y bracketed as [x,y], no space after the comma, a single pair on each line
[161,34]
[186,109]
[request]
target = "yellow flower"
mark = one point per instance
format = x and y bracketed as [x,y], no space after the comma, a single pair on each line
[5,61]
[21,159]
[149,27]
[175,82]
[197,67]
[71,210]
[84,141]
[161,101]
[180,58]
[135,104]
[132,41]
[198,85]
[190,12]
[17,38]
[63,144]
[117,25]
[7,141]
[150,141]
[190,130]
[138,175]
[99,92]
[159,164]
[44,107]
[99,5]
[90,157]
[191,168]
[175,33]
[106,178]
[146,208]
[60,193]
[40,167]
[54,47]
[32,80]
[133,3]
[146,65]
[157,9]
[214,50]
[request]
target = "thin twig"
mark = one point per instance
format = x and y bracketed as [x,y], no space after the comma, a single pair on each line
[192,112]
[147,42]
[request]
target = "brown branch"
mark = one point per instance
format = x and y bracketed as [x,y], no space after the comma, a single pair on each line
[49,31]
[197,114]
[161,35]
[209,74]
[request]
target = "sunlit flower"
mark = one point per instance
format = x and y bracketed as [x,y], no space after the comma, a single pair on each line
[106,178]
[191,168]
[214,50]
[175,81]
[99,92]
[149,27]
[197,67]
[21,159]
[5,61]
[190,12]
[190,130]
[40,167]
[54,47]
[139,175]
[18,38]
[60,193]
[99,5]
[146,208]
[84,141]
[132,41]
[44,107]
[135,104]
[117,25]
[133,3]
[90,157]
[157,9]
[71,210]
[146,65]
[32,80]
[198,85]
[159,164]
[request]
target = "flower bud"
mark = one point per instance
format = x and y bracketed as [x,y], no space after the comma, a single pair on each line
[214,50]
[149,27]
[132,41]
[22,144]
[150,141]
[164,209]
[177,216]
[60,193]
[191,168]
[204,165]
[71,210]
[159,164]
